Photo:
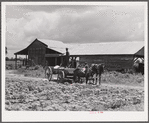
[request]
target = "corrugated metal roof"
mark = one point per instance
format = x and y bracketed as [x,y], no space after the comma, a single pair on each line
[55,45]
[102,48]
[108,48]
[58,45]
[52,43]
[112,48]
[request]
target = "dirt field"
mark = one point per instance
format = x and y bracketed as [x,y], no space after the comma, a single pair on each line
[118,92]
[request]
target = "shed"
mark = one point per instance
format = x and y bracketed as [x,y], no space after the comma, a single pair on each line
[42,52]
[115,55]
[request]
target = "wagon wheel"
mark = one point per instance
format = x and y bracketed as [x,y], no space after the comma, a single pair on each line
[48,73]
[61,76]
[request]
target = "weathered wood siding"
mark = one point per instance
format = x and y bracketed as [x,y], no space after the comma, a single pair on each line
[115,62]
[53,57]
[36,52]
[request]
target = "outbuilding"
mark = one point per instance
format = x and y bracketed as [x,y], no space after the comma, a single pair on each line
[115,55]
[43,52]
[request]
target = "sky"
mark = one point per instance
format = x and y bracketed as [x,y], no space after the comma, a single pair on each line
[72,24]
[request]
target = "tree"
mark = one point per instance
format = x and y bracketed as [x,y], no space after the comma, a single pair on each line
[7,59]
[6,50]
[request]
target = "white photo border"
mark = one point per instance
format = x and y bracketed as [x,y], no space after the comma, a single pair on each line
[47,116]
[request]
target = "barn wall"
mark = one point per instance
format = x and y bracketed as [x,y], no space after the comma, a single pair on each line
[36,52]
[111,62]
[53,60]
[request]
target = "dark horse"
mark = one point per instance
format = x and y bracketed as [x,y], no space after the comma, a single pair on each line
[81,72]
[97,69]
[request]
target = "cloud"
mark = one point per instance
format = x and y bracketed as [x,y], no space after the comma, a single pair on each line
[40,24]
[73,24]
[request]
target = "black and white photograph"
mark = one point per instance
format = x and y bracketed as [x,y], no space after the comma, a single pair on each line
[74,61]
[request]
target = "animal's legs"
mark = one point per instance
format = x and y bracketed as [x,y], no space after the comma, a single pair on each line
[99,79]
[93,80]
[86,79]
[79,79]
[96,80]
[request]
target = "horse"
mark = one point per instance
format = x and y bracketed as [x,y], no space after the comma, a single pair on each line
[82,72]
[97,69]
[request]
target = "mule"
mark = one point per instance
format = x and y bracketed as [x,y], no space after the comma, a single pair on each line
[97,69]
[80,72]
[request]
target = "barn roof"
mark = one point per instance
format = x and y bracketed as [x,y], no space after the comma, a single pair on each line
[58,46]
[22,52]
[55,45]
[108,48]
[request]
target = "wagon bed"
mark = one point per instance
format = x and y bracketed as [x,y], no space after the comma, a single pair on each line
[63,73]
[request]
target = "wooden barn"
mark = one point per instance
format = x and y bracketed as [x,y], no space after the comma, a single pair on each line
[115,55]
[43,52]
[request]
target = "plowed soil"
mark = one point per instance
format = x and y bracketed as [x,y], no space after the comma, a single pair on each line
[117,92]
